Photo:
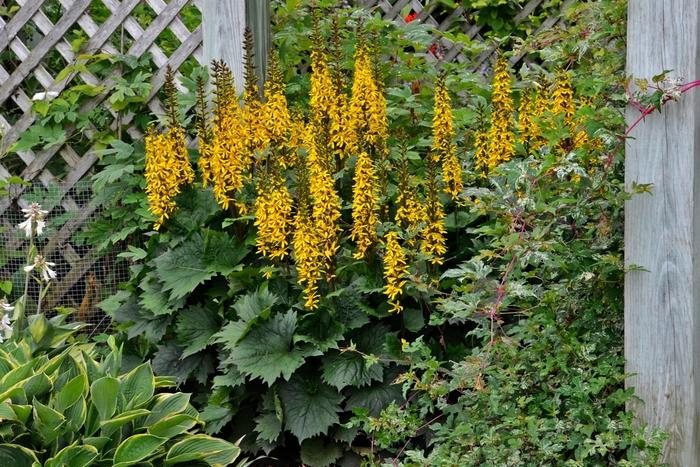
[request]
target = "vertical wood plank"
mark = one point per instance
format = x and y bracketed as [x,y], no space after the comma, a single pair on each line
[662,231]
[258,19]
[223,23]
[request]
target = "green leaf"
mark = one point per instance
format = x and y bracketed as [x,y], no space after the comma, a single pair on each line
[47,421]
[168,361]
[310,407]
[108,426]
[73,456]
[71,392]
[195,327]
[374,398]
[222,252]
[267,352]
[138,386]
[135,448]
[181,270]
[341,369]
[104,392]
[194,448]
[167,405]
[317,453]
[268,426]
[173,425]
[17,456]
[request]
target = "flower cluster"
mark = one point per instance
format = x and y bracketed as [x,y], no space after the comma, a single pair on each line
[34,222]
[501,140]
[444,149]
[167,167]
[5,324]
[395,270]
[364,206]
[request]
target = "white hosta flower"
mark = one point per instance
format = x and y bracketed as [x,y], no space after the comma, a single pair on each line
[5,328]
[5,306]
[34,220]
[43,267]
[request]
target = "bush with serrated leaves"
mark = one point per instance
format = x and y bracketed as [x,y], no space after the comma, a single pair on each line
[351,380]
[68,405]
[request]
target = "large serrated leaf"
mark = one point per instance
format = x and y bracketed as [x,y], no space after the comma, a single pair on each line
[195,327]
[310,407]
[341,369]
[267,352]
[182,269]
[268,426]
[317,452]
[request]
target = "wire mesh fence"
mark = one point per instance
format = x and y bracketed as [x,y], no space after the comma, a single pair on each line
[84,277]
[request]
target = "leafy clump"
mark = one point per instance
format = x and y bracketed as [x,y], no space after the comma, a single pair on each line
[65,404]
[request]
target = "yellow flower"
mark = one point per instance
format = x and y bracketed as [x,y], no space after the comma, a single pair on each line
[404,344]
[306,254]
[273,210]
[443,135]
[433,234]
[563,99]
[501,138]
[368,106]
[224,159]
[395,271]
[167,170]
[481,150]
[277,120]
[325,200]
[410,213]
[528,128]
[365,203]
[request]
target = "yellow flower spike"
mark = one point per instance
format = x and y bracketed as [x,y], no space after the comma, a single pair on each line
[501,139]
[433,235]
[167,170]
[481,150]
[528,129]
[325,200]
[365,204]
[368,105]
[563,99]
[273,211]
[444,149]
[306,255]
[277,118]
[410,213]
[395,271]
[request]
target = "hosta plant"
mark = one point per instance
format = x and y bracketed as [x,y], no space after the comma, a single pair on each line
[71,405]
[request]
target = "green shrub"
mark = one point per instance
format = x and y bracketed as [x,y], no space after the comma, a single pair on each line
[72,405]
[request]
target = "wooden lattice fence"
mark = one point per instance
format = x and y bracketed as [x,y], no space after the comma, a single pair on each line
[35,47]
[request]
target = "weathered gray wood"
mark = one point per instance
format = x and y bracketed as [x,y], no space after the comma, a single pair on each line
[257,14]
[31,62]
[662,231]
[223,23]
[10,30]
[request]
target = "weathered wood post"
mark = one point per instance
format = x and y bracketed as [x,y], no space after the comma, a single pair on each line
[223,23]
[662,231]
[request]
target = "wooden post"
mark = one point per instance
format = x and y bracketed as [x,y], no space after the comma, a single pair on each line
[223,23]
[258,20]
[662,231]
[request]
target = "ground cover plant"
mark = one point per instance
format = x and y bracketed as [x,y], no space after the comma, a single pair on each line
[378,260]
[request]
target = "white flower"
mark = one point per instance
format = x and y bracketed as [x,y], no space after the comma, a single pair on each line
[34,220]
[42,267]
[5,306]
[5,328]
